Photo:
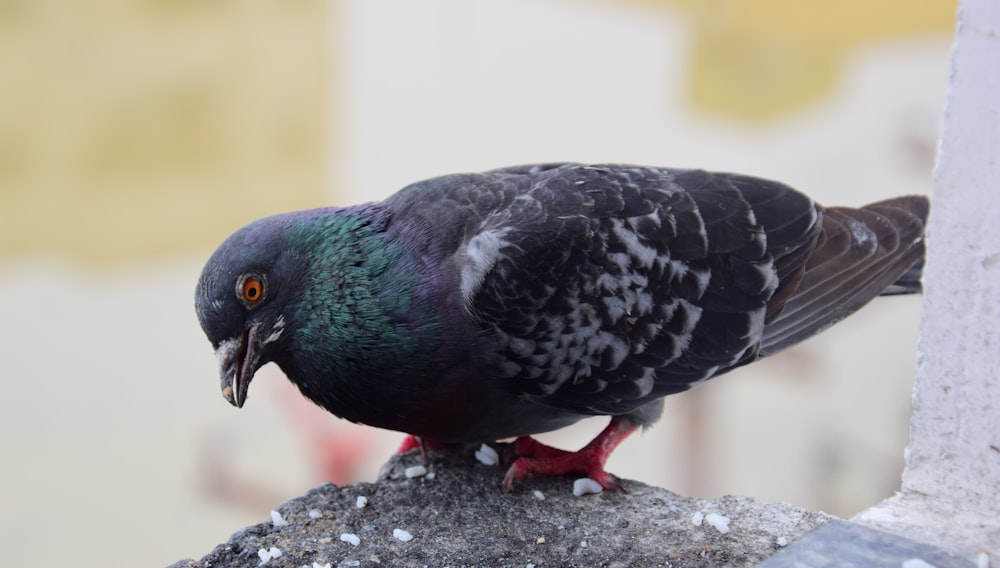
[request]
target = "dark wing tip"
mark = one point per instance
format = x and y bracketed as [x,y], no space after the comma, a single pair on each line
[919,207]
[862,253]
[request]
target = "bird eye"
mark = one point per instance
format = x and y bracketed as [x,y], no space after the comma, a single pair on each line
[250,289]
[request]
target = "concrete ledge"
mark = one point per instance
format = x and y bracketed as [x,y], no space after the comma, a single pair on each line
[460,517]
[842,544]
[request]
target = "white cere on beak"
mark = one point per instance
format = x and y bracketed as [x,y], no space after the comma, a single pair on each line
[225,347]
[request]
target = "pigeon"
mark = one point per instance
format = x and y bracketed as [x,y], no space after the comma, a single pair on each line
[475,307]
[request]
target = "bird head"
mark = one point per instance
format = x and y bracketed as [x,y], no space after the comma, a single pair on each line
[242,301]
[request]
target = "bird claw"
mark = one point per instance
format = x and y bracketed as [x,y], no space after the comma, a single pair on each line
[529,456]
[609,481]
[571,463]
[517,470]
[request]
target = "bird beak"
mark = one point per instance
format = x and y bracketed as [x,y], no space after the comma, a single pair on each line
[238,359]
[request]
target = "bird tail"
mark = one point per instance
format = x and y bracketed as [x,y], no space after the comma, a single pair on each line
[910,281]
[861,253]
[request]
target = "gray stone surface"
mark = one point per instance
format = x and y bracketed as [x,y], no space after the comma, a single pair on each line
[460,517]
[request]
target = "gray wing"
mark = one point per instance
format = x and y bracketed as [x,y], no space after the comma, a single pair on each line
[606,287]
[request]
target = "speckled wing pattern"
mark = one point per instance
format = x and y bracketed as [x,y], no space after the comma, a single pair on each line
[606,287]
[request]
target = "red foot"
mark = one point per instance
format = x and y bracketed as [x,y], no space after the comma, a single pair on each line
[526,446]
[539,459]
[411,442]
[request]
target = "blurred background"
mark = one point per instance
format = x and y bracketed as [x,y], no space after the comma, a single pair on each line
[136,135]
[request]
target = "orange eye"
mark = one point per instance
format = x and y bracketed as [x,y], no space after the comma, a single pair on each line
[252,289]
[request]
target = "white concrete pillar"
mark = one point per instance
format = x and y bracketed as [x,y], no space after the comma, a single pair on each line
[950,494]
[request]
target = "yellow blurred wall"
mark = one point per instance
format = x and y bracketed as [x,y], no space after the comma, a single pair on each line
[134,129]
[759,59]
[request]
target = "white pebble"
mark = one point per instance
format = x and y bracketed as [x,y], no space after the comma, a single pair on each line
[402,535]
[361,502]
[266,555]
[720,522]
[917,563]
[431,475]
[585,485]
[327,565]
[982,560]
[697,518]
[415,471]
[487,455]
[351,539]
[782,541]
[538,495]
[583,544]
[277,520]
[348,563]
[314,514]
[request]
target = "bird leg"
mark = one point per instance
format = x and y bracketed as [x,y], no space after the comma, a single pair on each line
[539,459]
[411,442]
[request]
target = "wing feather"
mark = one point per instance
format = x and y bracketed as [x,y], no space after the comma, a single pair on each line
[861,254]
[616,285]
[599,289]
